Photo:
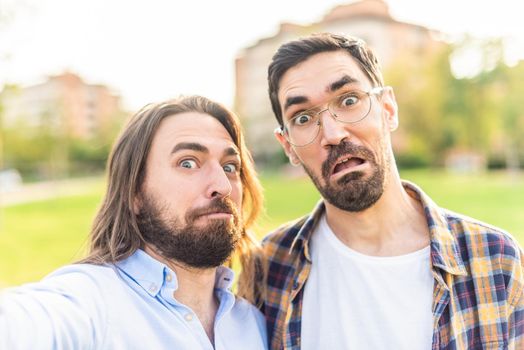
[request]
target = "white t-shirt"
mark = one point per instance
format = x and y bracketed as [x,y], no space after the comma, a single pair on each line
[356,301]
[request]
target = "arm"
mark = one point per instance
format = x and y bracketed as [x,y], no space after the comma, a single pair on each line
[52,314]
[515,290]
[516,325]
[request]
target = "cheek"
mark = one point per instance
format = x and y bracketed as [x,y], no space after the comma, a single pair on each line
[312,157]
[237,193]
[176,191]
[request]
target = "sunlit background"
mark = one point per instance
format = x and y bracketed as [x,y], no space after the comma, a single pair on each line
[71,73]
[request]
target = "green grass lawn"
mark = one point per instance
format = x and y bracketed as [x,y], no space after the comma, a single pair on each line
[36,238]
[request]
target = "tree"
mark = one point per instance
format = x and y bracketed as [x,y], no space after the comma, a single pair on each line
[422,85]
[439,112]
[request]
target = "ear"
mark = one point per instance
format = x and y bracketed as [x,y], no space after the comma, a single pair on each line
[288,148]
[390,108]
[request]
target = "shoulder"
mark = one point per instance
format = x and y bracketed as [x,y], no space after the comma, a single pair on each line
[482,240]
[78,280]
[247,311]
[284,235]
[83,273]
[490,252]
[282,247]
[250,320]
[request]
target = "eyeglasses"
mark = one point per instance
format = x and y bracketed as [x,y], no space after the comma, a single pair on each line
[350,107]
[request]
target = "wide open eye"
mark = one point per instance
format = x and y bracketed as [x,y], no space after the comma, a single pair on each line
[302,120]
[349,100]
[230,168]
[188,163]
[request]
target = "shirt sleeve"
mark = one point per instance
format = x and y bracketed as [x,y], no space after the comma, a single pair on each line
[61,312]
[516,303]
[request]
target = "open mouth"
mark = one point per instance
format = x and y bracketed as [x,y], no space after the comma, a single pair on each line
[347,163]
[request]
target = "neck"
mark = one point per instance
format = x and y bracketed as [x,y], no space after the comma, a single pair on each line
[195,290]
[394,225]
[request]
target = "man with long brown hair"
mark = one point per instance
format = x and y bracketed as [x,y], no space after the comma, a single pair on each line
[181,194]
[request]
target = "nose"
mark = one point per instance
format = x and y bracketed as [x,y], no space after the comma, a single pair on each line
[219,183]
[333,132]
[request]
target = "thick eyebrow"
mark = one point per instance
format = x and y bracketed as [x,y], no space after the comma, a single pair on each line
[193,146]
[294,100]
[345,80]
[231,151]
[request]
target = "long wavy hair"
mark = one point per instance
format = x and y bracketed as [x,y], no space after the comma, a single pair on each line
[115,234]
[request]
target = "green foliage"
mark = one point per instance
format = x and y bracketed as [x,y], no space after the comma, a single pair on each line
[412,160]
[42,152]
[87,156]
[422,86]
[440,113]
[29,150]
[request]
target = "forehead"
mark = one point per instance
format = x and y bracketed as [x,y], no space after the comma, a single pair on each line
[314,76]
[191,127]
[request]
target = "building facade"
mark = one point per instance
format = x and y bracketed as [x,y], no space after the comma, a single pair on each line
[63,103]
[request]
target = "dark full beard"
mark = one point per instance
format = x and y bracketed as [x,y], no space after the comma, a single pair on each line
[352,192]
[204,246]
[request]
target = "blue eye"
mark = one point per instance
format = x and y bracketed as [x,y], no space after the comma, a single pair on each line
[302,119]
[349,101]
[230,168]
[188,164]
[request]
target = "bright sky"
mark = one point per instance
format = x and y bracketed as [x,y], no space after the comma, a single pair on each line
[155,49]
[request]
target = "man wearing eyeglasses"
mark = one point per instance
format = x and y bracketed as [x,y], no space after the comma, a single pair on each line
[377,264]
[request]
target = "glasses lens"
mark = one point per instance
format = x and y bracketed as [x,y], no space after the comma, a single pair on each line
[302,129]
[351,107]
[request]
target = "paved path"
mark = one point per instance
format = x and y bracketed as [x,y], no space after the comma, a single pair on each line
[46,190]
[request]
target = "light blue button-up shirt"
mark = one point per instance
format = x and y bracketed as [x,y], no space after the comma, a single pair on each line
[129,305]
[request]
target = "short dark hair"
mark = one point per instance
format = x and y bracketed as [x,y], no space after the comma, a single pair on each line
[294,52]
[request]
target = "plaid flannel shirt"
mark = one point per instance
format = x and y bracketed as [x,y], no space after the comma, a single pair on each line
[478,294]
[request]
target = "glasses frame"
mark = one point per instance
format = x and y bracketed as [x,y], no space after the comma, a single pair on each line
[282,130]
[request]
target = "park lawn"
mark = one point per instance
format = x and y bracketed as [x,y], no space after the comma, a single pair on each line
[38,237]
[495,198]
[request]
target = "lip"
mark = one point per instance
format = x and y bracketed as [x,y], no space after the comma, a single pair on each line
[343,172]
[218,215]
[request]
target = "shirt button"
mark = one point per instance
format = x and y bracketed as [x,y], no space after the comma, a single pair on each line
[169,278]
[152,288]
[188,317]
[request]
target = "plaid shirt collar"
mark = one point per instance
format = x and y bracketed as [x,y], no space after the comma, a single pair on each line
[444,247]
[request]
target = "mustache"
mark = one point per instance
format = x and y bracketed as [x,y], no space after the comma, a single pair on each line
[342,149]
[217,205]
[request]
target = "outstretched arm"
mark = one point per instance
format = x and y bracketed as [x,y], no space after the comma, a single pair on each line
[50,315]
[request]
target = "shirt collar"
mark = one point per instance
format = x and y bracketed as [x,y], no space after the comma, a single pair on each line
[306,227]
[145,270]
[151,274]
[445,252]
[224,278]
